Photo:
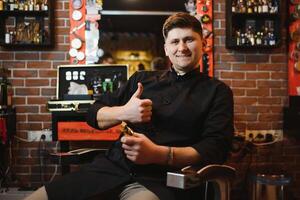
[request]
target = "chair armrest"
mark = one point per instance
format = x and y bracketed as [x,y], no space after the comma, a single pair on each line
[191,176]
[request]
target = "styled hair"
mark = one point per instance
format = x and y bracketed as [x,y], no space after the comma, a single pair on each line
[181,20]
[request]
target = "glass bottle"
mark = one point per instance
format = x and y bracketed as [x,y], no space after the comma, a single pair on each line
[265,7]
[7,37]
[1,5]
[233,6]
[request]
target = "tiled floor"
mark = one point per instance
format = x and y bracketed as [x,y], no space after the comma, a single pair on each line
[13,194]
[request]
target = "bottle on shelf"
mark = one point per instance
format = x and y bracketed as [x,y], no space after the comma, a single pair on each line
[107,85]
[11,5]
[259,6]
[258,39]
[255,6]
[1,5]
[7,37]
[249,7]
[44,5]
[265,7]
[31,6]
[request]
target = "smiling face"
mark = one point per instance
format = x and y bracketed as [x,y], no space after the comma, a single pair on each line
[183,46]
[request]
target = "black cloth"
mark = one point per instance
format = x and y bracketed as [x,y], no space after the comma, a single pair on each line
[190,110]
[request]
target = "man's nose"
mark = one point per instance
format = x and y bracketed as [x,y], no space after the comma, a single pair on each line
[182,46]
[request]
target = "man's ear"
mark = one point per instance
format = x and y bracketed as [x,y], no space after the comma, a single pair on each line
[166,51]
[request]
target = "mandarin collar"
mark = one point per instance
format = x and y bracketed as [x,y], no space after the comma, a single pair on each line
[190,74]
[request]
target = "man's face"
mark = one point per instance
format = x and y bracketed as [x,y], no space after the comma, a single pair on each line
[183,46]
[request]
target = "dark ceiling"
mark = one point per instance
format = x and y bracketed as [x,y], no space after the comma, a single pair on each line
[138,23]
[145,5]
[131,23]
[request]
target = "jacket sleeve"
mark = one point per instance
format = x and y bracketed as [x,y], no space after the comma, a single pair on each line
[217,131]
[117,98]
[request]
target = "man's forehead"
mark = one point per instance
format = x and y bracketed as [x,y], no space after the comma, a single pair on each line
[181,33]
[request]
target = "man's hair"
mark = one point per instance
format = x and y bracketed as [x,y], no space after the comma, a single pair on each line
[181,20]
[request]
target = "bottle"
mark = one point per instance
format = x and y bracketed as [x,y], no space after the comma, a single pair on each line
[11,37]
[31,6]
[272,40]
[37,6]
[258,38]
[26,6]
[255,6]
[265,7]
[16,5]
[7,37]
[21,5]
[275,6]
[259,6]
[243,39]
[6,92]
[238,38]
[249,7]
[45,5]
[97,86]
[11,5]
[233,6]
[1,5]
[107,85]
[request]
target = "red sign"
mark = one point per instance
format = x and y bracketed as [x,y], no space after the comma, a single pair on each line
[82,131]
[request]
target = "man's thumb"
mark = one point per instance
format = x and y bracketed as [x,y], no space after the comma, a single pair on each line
[139,90]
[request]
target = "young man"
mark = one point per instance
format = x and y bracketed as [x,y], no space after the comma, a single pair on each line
[179,117]
[159,63]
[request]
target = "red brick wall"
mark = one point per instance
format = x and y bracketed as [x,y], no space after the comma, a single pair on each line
[258,79]
[260,85]
[33,76]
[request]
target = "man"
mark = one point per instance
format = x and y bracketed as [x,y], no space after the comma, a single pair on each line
[179,117]
[107,58]
[159,63]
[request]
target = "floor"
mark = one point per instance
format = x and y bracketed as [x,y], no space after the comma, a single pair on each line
[13,194]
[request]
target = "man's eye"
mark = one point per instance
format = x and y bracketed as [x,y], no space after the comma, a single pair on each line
[190,40]
[174,42]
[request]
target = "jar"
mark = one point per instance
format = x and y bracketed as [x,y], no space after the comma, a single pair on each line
[5,92]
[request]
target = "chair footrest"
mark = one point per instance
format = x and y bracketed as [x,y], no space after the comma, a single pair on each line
[182,180]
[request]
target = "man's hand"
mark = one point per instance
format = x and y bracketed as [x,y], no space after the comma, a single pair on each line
[137,110]
[141,150]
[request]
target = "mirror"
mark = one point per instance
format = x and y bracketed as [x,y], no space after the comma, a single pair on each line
[131,30]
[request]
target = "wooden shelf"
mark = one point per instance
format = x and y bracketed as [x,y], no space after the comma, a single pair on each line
[236,21]
[46,23]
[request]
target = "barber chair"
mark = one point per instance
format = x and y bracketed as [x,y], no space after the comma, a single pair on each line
[220,176]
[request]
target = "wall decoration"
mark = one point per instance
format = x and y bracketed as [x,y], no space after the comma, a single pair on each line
[205,15]
[294,49]
[84,31]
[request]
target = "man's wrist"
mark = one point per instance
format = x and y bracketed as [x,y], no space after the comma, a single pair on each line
[170,156]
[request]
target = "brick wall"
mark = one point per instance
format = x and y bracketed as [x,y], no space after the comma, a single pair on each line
[258,79]
[260,85]
[33,76]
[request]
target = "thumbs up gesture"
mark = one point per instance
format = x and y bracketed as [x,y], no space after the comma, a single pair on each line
[136,109]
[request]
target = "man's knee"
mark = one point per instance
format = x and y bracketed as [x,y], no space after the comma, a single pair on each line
[136,191]
[39,194]
[145,195]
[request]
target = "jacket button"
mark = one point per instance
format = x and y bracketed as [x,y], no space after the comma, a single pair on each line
[132,174]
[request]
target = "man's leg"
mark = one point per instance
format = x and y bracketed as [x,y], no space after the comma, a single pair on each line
[39,194]
[136,191]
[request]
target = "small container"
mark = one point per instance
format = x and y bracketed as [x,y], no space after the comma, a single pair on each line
[5,92]
[269,186]
[107,85]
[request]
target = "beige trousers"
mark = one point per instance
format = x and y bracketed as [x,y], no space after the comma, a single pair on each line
[133,191]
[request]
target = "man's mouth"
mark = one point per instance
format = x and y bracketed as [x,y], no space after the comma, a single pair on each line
[183,56]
